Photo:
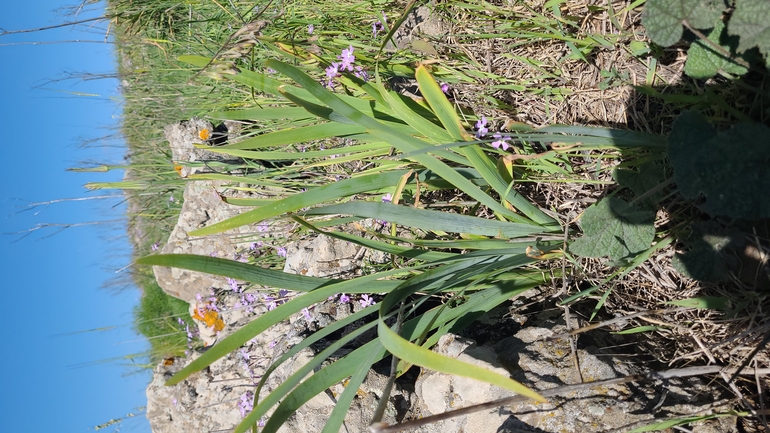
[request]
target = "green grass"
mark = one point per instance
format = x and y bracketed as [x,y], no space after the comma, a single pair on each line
[156,318]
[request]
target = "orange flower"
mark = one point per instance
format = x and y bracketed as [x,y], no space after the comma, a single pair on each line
[210,318]
[204,134]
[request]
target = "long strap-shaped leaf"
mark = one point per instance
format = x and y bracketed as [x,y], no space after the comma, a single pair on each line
[321,194]
[417,355]
[428,219]
[412,329]
[402,142]
[432,93]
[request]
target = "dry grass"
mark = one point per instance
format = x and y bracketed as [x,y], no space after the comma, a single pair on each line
[685,336]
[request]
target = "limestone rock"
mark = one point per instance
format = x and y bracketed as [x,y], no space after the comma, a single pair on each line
[321,256]
[183,136]
[421,21]
[542,364]
[202,207]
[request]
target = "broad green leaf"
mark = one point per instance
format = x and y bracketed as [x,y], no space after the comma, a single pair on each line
[703,61]
[729,168]
[647,176]
[704,302]
[711,251]
[663,19]
[429,220]
[616,229]
[751,22]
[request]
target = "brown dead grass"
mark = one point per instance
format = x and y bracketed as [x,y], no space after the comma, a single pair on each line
[685,336]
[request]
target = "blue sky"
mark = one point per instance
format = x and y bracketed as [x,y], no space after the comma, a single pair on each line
[54,377]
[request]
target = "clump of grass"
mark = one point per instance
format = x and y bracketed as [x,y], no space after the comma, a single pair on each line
[156,317]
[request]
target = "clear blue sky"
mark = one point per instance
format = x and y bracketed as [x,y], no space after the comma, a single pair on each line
[51,375]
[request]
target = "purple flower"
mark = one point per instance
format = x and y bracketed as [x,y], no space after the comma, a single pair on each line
[190,335]
[244,354]
[283,293]
[366,301]
[171,198]
[174,402]
[332,71]
[155,246]
[281,251]
[481,127]
[233,285]
[500,141]
[379,26]
[387,198]
[262,227]
[344,299]
[246,403]
[310,29]
[272,344]
[347,58]
[306,313]
[360,73]
[444,87]
[270,71]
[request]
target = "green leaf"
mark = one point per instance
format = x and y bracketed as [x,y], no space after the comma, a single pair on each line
[270,113]
[729,168]
[667,424]
[418,355]
[429,220]
[663,18]
[286,386]
[237,270]
[705,302]
[312,197]
[751,22]
[703,61]
[295,135]
[639,48]
[647,176]
[711,252]
[444,109]
[404,143]
[637,330]
[616,229]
